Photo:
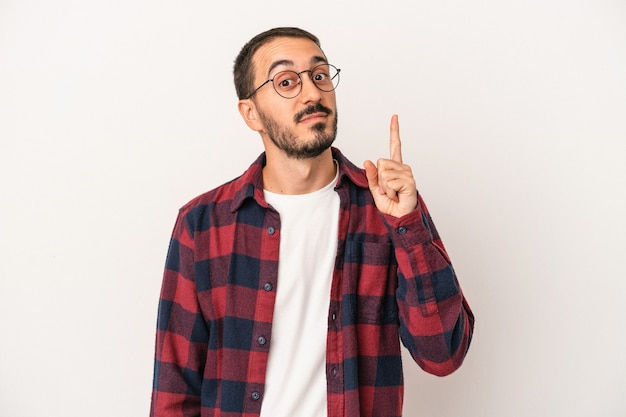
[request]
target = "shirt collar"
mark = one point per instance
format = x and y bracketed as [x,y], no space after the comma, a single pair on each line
[250,184]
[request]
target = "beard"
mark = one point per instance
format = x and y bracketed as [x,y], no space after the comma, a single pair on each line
[285,140]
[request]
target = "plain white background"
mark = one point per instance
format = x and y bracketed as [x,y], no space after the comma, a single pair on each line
[512,113]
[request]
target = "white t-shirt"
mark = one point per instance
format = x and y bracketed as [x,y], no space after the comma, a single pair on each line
[295,384]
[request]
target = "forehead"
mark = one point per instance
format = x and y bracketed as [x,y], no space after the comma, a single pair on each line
[286,53]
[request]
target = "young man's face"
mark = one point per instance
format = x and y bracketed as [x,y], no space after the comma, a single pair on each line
[304,126]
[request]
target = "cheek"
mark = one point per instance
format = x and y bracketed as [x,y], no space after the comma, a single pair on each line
[278,109]
[331,102]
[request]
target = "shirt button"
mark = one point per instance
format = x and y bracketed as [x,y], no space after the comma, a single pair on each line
[255,395]
[333,317]
[333,371]
[261,340]
[268,286]
[401,230]
[271,230]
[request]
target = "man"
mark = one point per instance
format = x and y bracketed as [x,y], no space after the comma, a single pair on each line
[287,290]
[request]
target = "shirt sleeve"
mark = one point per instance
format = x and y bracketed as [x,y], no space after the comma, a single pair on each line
[436,322]
[181,335]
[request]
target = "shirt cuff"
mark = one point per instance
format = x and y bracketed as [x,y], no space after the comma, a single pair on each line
[410,229]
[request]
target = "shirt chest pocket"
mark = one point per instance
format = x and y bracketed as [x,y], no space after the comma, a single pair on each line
[370,276]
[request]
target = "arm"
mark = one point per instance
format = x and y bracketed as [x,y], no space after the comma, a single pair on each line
[181,336]
[436,323]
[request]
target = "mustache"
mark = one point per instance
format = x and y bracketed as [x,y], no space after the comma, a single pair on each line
[317,108]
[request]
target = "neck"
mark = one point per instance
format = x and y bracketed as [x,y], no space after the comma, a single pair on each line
[284,175]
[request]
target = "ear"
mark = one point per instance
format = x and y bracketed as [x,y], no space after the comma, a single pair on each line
[248,111]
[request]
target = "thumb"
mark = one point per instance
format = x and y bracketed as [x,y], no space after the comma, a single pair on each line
[371,172]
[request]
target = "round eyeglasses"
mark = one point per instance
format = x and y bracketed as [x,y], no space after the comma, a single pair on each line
[288,84]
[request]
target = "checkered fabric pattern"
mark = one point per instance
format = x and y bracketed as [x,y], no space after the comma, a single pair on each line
[392,283]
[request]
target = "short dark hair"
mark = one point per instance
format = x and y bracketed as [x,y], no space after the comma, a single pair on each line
[243,70]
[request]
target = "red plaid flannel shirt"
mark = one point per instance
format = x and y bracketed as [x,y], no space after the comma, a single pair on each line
[392,282]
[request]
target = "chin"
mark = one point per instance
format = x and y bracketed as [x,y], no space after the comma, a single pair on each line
[319,127]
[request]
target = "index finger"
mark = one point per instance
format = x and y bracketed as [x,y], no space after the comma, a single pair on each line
[395,151]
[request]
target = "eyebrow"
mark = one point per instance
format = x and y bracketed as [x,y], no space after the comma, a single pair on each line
[315,60]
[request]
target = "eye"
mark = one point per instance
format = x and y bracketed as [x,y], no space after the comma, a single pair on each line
[286,80]
[321,75]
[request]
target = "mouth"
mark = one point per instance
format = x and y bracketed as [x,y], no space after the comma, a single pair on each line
[313,118]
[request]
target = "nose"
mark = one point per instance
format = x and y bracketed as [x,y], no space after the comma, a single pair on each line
[310,92]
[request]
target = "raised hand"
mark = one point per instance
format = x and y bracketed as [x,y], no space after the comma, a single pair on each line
[390,181]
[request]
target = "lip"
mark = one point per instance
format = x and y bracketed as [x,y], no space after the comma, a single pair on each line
[313,118]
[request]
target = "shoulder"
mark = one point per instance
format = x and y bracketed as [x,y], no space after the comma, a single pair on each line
[223,193]
[225,199]
[349,171]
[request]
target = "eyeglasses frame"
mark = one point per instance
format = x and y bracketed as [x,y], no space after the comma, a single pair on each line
[310,71]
